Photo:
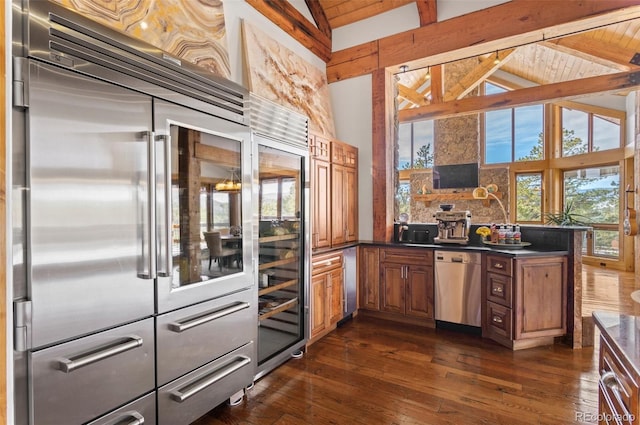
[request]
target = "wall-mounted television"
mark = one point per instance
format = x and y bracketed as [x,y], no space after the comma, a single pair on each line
[456,176]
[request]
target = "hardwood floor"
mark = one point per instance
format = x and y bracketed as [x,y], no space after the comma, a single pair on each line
[376,372]
[609,290]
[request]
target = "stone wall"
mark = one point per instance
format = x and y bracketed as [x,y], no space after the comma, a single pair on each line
[457,141]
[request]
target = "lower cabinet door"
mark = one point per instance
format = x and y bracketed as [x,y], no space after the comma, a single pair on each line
[141,411]
[184,400]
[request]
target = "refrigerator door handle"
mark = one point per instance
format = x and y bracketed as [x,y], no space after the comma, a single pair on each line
[168,260]
[183,326]
[192,389]
[149,243]
[69,365]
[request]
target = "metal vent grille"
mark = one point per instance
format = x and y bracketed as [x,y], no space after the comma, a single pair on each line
[275,121]
[72,34]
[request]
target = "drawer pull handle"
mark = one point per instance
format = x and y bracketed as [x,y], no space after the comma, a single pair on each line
[497,319]
[326,262]
[497,289]
[207,317]
[69,365]
[498,266]
[610,380]
[136,419]
[194,388]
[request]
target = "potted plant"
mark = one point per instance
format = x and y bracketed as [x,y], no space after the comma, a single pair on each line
[567,217]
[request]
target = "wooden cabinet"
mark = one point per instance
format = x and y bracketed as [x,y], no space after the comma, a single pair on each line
[369,271]
[327,293]
[397,283]
[320,192]
[334,187]
[526,300]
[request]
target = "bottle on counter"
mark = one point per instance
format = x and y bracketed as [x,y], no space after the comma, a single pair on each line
[508,239]
[517,235]
[502,235]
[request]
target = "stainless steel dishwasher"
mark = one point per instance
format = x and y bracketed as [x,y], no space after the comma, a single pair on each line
[457,287]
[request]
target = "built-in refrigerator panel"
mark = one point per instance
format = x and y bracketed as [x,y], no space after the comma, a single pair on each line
[88,180]
[203,215]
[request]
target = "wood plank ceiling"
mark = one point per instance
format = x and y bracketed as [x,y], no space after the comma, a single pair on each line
[603,51]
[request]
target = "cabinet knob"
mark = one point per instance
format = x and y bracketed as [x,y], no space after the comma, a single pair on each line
[497,289]
[498,265]
[496,319]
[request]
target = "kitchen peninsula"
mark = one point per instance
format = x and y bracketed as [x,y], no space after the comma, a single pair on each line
[396,282]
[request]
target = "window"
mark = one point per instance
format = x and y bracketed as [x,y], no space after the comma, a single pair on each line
[415,145]
[278,198]
[594,196]
[529,197]
[514,134]
[584,132]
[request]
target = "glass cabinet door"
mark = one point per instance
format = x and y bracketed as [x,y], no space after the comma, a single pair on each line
[206,206]
[281,249]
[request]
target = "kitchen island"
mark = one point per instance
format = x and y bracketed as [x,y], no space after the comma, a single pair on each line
[619,366]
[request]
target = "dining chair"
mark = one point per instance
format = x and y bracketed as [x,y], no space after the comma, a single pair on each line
[217,251]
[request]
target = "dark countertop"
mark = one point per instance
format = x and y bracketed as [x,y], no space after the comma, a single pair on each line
[450,247]
[623,331]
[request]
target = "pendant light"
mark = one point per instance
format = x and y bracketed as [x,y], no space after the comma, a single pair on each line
[230,185]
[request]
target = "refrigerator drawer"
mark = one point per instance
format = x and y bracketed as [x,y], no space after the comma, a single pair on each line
[186,399]
[82,379]
[193,336]
[142,410]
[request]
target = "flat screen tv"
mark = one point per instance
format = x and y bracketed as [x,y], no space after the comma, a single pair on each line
[457,176]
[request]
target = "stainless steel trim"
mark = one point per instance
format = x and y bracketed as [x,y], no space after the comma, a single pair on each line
[194,388]
[207,317]
[168,260]
[68,365]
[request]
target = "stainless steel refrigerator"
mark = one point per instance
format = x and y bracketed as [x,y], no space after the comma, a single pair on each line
[123,160]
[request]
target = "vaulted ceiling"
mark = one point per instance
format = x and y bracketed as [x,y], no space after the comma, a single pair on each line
[606,50]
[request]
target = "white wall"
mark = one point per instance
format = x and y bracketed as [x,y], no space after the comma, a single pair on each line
[352,98]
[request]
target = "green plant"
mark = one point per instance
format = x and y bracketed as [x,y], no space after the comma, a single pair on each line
[566,217]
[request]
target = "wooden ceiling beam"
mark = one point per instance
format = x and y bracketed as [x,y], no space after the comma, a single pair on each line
[527,96]
[428,11]
[598,51]
[319,17]
[341,13]
[410,95]
[477,33]
[477,75]
[287,17]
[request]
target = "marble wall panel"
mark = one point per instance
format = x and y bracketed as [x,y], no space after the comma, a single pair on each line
[193,30]
[278,74]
